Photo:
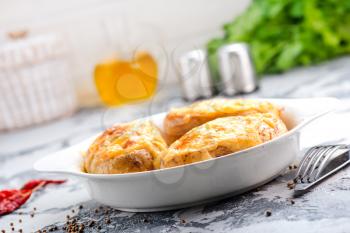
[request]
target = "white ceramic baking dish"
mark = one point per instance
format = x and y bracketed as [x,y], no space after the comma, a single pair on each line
[199,182]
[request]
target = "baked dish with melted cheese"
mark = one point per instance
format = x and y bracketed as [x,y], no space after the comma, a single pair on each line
[204,130]
[180,120]
[223,136]
[130,147]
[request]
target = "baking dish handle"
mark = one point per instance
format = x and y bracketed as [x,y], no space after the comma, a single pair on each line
[67,161]
[300,112]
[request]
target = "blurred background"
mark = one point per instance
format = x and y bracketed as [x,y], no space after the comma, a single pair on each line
[58,58]
[94,30]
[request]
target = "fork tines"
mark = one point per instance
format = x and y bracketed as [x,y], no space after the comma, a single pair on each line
[315,161]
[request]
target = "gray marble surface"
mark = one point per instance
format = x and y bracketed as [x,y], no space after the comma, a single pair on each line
[324,209]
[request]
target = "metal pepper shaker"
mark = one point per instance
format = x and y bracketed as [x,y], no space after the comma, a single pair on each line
[236,69]
[237,72]
[194,75]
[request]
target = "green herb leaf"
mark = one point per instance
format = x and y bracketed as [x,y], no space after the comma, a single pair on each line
[287,33]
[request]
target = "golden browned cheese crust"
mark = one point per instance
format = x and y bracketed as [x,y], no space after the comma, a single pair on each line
[130,147]
[180,120]
[223,136]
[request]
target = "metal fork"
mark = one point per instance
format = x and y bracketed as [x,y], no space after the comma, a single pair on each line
[320,162]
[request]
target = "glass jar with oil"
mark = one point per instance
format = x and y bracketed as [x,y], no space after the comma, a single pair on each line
[121,81]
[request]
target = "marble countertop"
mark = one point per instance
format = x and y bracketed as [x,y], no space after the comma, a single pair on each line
[324,209]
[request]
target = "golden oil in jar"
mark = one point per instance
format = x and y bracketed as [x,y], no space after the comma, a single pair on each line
[120,81]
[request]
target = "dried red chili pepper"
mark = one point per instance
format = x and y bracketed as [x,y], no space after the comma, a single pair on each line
[10,200]
[40,183]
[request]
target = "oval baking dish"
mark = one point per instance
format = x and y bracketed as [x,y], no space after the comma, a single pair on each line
[199,182]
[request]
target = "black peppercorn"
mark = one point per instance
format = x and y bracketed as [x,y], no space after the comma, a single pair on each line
[268,213]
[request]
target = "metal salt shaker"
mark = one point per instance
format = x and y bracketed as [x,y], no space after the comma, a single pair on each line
[195,76]
[236,69]
[237,72]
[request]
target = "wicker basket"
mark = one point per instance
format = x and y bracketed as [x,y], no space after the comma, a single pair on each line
[35,82]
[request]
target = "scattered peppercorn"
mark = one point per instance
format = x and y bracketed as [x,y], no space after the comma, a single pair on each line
[34,208]
[80,207]
[99,228]
[3,231]
[107,221]
[13,229]
[291,184]
[20,220]
[20,230]
[91,224]
[96,211]
[74,227]
[292,202]
[295,166]
[183,221]
[67,216]
[290,167]
[268,213]
[11,224]
[32,215]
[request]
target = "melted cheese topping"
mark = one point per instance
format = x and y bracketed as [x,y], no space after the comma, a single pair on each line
[130,147]
[180,120]
[223,136]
